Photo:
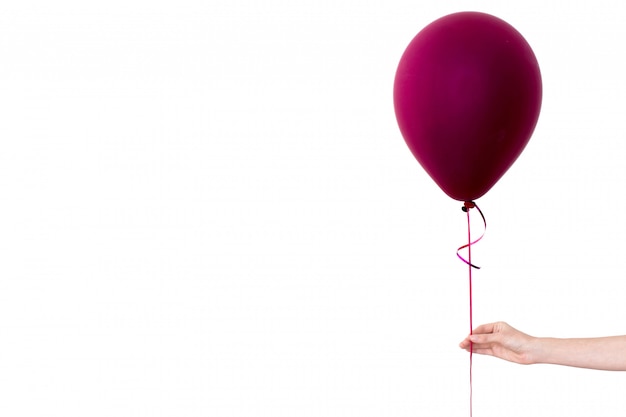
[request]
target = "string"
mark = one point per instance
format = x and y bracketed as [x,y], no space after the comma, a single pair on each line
[469,263]
[466,208]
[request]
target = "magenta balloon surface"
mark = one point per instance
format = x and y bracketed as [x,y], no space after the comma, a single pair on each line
[467,96]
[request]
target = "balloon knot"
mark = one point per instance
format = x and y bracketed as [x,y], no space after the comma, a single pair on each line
[468,205]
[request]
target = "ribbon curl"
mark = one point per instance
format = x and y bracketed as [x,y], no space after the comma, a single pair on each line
[466,208]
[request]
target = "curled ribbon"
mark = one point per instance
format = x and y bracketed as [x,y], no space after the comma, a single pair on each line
[466,208]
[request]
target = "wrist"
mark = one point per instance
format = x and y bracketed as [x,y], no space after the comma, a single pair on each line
[536,350]
[544,349]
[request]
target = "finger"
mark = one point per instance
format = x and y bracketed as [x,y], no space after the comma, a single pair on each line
[465,343]
[483,339]
[480,350]
[484,351]
[485,328]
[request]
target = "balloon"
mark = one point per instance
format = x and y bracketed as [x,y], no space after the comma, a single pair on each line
[467,96]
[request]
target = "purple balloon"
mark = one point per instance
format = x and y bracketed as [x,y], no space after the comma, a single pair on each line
[467,96]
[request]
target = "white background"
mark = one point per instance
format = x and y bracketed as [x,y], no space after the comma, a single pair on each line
[207,209]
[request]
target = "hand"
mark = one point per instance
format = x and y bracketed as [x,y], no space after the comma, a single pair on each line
[502,341]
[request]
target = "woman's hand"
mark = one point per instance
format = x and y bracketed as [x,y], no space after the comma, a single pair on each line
[502,341]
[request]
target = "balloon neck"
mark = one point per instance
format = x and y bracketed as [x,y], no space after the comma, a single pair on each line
[468,205]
